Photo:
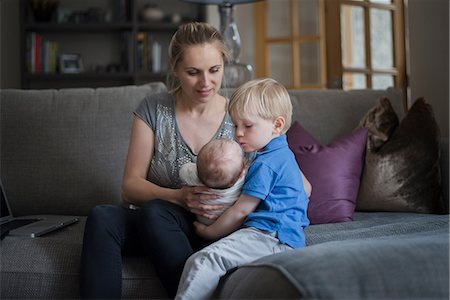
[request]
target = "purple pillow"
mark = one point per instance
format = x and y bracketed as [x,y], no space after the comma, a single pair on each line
[334,172]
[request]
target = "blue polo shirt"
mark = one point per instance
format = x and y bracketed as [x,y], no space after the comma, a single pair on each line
[275,178]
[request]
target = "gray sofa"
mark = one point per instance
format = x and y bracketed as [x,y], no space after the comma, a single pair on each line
[63,152]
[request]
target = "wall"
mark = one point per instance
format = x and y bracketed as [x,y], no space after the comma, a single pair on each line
[428,48]
[9,44]
[428,61]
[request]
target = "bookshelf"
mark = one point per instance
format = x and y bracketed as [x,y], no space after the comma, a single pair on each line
[95,43]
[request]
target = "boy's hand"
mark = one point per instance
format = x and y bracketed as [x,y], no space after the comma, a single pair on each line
[231,220]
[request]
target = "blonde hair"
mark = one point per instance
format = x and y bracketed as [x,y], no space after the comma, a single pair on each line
[220,163]
[265,98]
[191,34]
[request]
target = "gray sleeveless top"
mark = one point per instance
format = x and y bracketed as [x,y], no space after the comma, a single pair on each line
[171,151]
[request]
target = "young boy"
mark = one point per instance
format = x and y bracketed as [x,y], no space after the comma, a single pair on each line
[220,166]
[271,211]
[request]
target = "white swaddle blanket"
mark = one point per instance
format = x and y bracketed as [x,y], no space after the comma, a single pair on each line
[188,175]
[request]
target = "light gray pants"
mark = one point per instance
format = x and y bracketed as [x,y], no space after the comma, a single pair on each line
[204,268]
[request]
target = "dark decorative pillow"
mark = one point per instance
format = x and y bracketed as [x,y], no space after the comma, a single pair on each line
[401,172]
[334,172]
[381,121]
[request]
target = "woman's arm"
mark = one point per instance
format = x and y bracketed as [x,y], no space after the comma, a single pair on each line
[136,188]
[231,220]
[306,185]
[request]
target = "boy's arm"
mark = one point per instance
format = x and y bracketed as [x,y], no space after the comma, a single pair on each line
[230,220]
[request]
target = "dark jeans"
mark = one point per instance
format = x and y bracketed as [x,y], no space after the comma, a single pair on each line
[163,230]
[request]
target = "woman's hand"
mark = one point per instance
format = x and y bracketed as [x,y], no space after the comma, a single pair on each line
[192,197]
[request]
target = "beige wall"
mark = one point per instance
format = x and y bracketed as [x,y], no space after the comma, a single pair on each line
[428,62]
[428,28]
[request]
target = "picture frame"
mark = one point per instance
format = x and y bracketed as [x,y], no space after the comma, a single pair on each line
[70,63]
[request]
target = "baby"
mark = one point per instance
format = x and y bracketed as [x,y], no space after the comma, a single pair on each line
[220,166]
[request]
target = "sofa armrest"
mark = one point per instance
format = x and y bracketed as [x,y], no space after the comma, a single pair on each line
[444,173]
[376,268]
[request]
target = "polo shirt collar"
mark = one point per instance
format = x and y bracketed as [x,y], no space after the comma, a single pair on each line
[275,144]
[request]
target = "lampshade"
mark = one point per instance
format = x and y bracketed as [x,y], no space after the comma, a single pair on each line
[232,2]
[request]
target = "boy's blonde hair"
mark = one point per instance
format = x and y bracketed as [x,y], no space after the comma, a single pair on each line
[265,98]
[220,163]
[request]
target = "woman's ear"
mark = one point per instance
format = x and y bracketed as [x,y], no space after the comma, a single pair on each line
[279,124]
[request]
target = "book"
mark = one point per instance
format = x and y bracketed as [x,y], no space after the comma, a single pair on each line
[140,51]
[156,57]
[30,52]
[41,54]
[37,53]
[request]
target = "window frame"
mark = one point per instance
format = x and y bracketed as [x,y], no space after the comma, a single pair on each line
[294,40]
[336,70]
[332,70]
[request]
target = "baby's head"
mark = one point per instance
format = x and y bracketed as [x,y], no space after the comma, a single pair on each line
[220,163]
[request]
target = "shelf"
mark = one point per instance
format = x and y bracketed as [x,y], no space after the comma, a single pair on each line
[162,27]
[100,43]
[150,76]
[98,27]
[95,76]
[79,76]
[74,27]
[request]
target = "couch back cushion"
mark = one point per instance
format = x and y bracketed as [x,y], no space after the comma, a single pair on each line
[63,151]
[329,114]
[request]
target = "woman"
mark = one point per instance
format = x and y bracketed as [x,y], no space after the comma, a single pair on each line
[168,131]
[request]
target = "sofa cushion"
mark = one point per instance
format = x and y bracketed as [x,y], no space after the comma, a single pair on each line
[334,172]
[47,267]
[63,151]
[329,114]
[402,173]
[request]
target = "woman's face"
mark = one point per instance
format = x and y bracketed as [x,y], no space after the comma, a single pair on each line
[200,71]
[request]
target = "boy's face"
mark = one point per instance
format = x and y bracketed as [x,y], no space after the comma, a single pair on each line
[253,133]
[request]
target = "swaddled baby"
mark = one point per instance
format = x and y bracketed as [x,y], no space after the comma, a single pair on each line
[221,166]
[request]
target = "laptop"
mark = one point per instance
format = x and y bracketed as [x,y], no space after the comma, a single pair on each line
[30,226]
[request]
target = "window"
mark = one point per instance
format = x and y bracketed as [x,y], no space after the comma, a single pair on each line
[366,44]
[290,38]
[348,44]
